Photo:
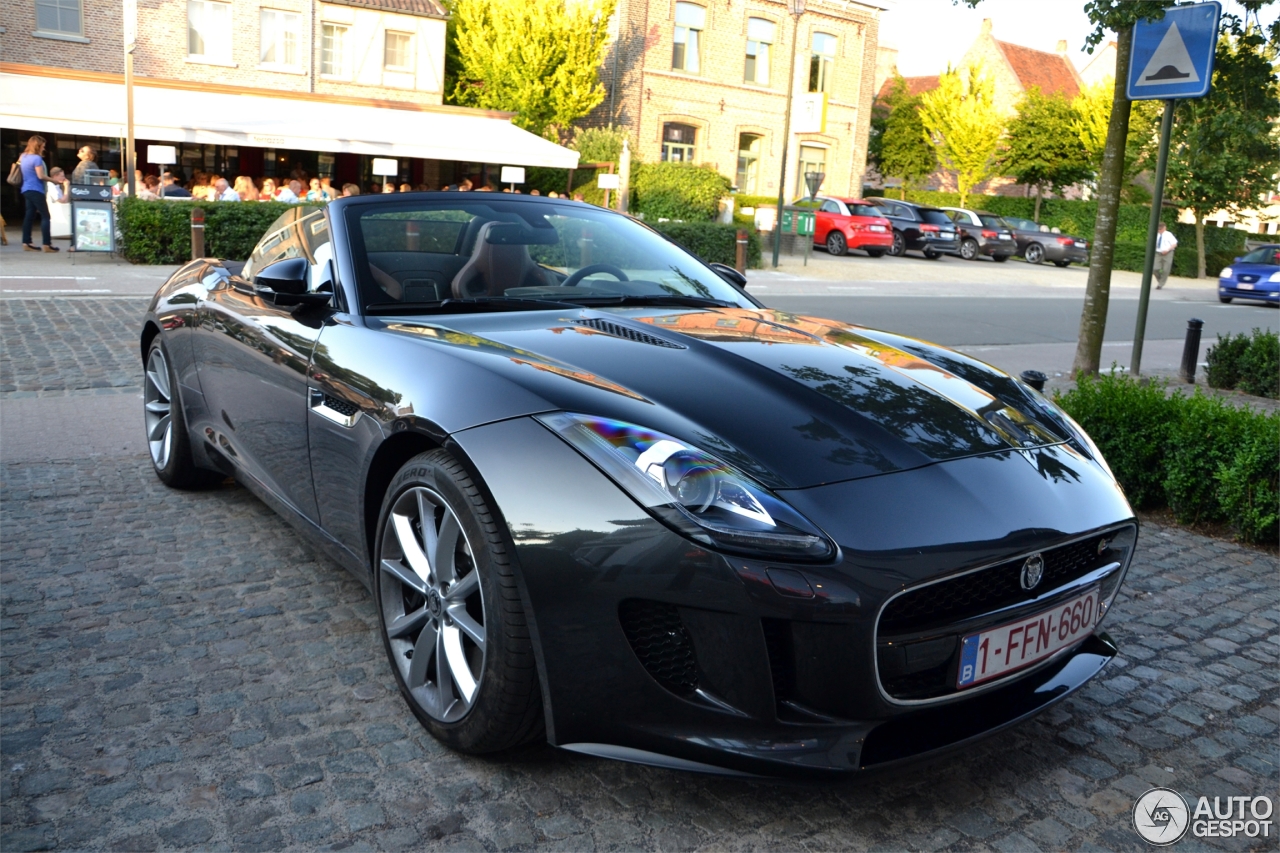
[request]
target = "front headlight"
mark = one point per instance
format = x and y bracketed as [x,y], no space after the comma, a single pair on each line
[1226,272]
[693,492]
[1275,277]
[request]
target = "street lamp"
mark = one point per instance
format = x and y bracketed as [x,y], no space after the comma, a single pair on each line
[797,9]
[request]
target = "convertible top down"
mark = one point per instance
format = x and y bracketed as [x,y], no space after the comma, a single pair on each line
[601,494]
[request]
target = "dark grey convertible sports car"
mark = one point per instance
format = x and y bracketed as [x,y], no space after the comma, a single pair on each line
[599,492]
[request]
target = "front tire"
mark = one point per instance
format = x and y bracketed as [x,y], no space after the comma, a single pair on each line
[836,244]
[999,259]
[1034,254]
[875,253]
[899,247]
[452,623]
[932,255]
[1225,300]
[166,427]
[1062,264]
[969,250]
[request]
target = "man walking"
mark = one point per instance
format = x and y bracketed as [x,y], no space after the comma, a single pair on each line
[1165,244]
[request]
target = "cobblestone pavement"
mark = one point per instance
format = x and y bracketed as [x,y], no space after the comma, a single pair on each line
[179,671]
[58,346]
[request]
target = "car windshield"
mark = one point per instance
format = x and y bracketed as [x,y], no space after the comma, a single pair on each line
[1269,255]
[1022,224]
[935,217]
[497,252]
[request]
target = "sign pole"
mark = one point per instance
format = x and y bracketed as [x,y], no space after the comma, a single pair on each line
[797,11]
[1153,235]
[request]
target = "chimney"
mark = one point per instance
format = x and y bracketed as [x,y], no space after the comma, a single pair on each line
[1062,47]
[986,27]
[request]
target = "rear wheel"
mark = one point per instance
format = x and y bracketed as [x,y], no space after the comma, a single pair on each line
[167,438]
[836,244]
[876,253]
[899,247]
[969,249]
[1034,253]
[999,259]
[452,623]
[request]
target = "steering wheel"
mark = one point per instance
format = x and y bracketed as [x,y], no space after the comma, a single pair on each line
[575,278]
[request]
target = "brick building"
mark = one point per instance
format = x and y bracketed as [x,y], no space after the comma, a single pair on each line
[706,83]
[254,87]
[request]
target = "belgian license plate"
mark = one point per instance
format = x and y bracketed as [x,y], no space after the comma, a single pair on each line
[1079,245]
[1244,285]
[999,651]
[1004,236]
[947,235]
[879,228]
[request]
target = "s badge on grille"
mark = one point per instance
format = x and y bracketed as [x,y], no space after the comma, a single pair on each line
[1032,571]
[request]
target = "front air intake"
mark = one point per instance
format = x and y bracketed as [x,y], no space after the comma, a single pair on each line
[661,643]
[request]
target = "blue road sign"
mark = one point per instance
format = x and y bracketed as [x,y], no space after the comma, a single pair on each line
[1173,57]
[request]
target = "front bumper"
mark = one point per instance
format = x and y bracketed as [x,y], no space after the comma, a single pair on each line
[1232,290]
[651,648]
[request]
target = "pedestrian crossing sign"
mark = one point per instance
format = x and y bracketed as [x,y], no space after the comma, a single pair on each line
[1173,57]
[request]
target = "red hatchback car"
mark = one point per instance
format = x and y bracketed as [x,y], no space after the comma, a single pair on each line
[851,223]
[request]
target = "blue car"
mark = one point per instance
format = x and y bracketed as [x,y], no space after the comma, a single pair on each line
[1253,276]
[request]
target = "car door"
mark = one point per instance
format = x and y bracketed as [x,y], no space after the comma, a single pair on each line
[828,218]
[253,358]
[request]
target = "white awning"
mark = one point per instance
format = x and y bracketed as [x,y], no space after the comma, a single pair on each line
[92,108]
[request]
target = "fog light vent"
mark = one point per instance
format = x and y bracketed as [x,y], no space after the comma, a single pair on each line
[662,644]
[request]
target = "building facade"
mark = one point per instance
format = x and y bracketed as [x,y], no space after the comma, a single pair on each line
[706,83]
[264,88]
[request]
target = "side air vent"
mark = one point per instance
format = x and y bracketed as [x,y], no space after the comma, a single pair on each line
[341,406]
[342,412]
[662,644]
[619,331]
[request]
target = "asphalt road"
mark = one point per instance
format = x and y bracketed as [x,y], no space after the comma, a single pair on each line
[977,320]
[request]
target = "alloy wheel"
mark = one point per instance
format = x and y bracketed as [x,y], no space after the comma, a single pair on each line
[1035,253]
[157,407]
[836,244]
[969,250]
[432,604]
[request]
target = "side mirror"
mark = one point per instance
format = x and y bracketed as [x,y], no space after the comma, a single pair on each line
[730,275]
[284,282]
[1235,260]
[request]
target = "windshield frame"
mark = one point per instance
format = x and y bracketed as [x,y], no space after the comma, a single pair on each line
[1271,248]
[351,210]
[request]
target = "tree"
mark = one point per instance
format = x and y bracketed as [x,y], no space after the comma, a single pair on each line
[903,149]
[961,121]
[537,58]
[1041,149]
[1224,152]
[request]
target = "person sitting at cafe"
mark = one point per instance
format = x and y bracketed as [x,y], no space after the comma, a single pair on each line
[290,194]
[87,155]
[170,188]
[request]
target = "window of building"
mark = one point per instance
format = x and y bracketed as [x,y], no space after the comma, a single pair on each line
[333,50]
[59,16]
[397,54]
[690,22]
[812,159]
[759,43]
[677,142]
[209,30]
[822,62]
[748,162]
[279,38]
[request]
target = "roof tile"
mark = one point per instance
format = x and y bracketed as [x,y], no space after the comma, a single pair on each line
[1052,72]
[420,8]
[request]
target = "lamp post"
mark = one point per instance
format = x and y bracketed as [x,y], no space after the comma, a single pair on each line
[797,9]
[130,153]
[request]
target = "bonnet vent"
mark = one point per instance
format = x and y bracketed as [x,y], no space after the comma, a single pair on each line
[619,331]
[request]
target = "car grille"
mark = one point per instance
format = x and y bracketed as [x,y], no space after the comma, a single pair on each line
[619,331]
[917,645]
[1248,279]
[660,641]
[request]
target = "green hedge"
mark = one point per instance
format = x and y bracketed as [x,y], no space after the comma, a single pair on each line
[1078,218]
[1204,459]
[713,242]
[1250,363]
[159,232]
[678,191]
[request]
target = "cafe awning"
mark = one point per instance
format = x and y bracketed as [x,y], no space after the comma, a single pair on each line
[96,107]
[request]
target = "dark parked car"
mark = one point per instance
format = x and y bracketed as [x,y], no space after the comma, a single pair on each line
[601,495]
[982,235]
[1256,275]
[1037,244]
[918,228]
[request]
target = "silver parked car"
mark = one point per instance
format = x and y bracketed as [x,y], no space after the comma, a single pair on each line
[1038,243]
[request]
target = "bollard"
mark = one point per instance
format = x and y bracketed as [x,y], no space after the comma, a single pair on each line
[197,233]
[1035,379]
[740,258]
[1191,351]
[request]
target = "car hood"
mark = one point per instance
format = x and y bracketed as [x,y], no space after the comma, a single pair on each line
[797,401]
[1262,271]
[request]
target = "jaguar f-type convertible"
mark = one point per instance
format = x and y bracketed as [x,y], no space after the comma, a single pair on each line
[601,495]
